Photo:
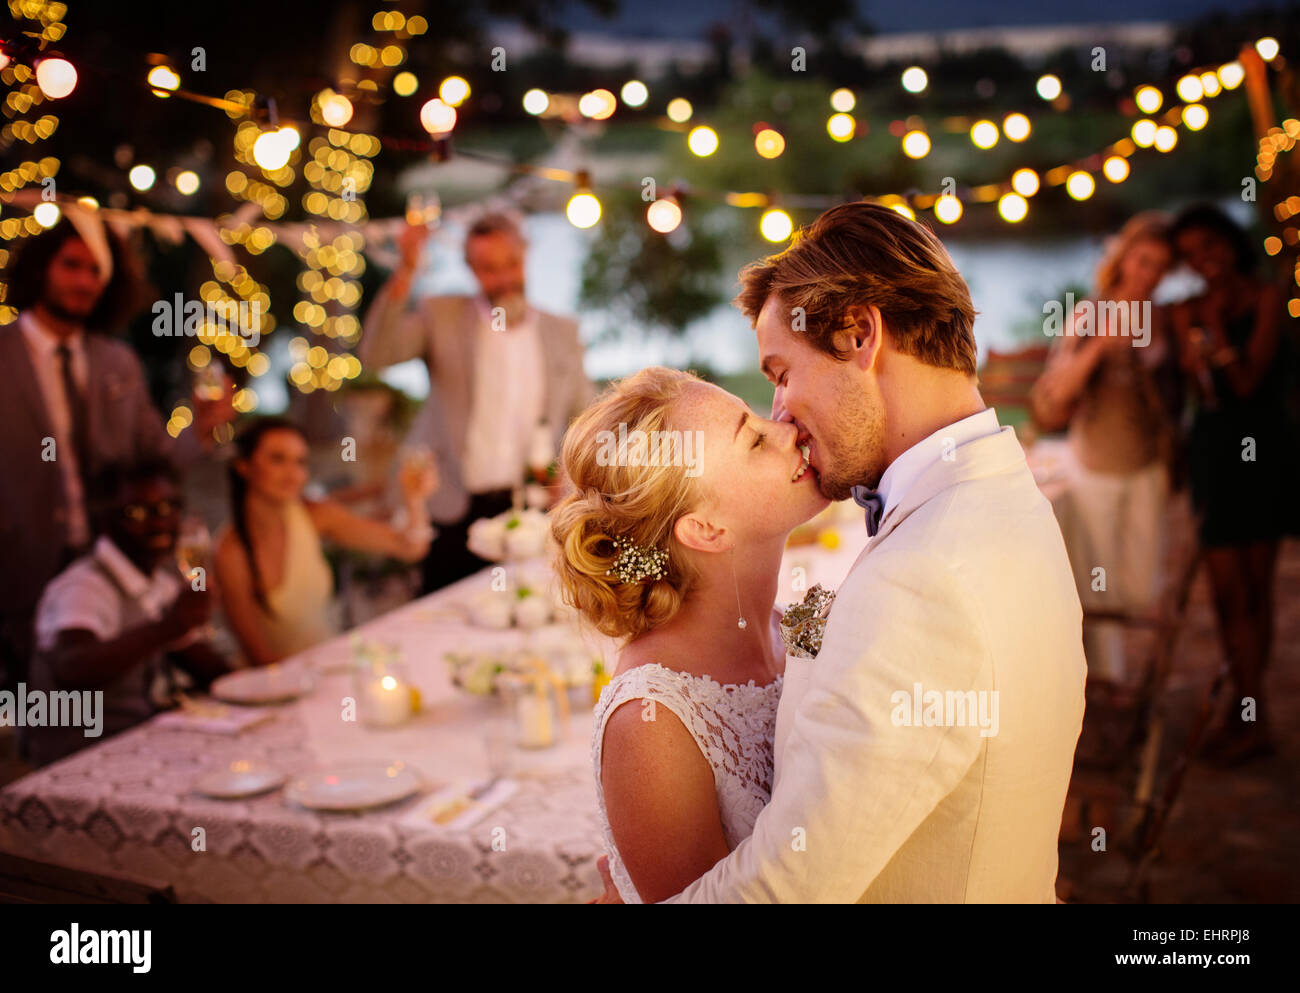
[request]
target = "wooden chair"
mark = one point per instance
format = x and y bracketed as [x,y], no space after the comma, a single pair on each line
[26,881]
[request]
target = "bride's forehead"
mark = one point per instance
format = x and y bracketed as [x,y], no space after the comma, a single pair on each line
[707,405]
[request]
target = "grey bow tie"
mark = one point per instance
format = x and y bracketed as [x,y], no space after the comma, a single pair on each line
[873,503]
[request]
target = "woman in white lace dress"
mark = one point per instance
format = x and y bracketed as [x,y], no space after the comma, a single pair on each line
[672,541]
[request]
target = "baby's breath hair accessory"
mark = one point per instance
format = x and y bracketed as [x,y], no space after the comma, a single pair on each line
[637,563]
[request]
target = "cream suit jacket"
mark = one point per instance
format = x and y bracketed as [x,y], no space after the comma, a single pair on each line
[966,587]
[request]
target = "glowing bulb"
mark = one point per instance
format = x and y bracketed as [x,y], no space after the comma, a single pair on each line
[1013,207]
[841,127]
[1016,127]
[437,117]
[904,209]
[843,100]
[1048,87]
[984,134]
[536,101]
[916,144]
[1148,99]
[1195,116]
[163,78]
[598,105]
[583,210]
[1267,48]
[188,182]
[1080,185]
[634,93]
[141,177]
[1210,84]
[1115,168]
[702,140]
[664,215]
[915,80]
[46,214]
[1231,74]
[1025,182]
[769,144]
[1166,139]
[454,91]
[1144,133]
[404,84]
[271,151]
[56,77]
[1190,89]
[776,225]
[947,209]
[290,136]
[335,109]
[680,110]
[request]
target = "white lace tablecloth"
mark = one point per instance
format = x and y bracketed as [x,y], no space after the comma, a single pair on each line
[126,807]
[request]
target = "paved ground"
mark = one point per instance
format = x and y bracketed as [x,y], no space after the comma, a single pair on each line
[1232,833]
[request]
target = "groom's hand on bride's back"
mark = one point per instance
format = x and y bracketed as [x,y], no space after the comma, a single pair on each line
[611,891]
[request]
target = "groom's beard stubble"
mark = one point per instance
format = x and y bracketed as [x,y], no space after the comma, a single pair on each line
[854,454]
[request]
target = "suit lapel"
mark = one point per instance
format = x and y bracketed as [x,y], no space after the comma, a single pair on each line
[987,456]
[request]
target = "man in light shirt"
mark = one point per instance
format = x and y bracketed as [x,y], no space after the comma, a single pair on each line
[505,379]
[114,620]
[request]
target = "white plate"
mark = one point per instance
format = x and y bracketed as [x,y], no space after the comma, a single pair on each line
[264,684]
[354,787]
[241,778]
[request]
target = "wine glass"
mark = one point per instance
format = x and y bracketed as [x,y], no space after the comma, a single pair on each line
[424,208]
[193,551]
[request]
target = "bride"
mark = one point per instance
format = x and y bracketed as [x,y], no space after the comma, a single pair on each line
[680,562]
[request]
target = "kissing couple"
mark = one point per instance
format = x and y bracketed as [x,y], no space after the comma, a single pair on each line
[731,770]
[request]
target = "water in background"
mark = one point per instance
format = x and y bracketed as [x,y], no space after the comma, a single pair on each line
[1010,279]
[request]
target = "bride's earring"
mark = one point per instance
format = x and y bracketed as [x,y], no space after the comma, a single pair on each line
[740,622]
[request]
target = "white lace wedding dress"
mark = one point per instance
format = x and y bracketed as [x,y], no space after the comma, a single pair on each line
[733,724]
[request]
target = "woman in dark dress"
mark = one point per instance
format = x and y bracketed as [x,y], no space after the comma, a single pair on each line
[1240,455]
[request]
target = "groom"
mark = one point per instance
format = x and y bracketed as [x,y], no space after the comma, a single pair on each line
[894,785]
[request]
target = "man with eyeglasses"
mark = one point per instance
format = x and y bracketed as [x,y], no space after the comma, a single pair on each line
[116,617]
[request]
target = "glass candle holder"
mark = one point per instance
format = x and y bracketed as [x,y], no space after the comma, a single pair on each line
[536,707]
[382,690]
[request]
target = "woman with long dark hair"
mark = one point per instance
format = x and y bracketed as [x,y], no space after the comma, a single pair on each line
[275,585]
[1240,452]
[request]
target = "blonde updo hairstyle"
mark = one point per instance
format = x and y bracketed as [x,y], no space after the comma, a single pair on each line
[638,503]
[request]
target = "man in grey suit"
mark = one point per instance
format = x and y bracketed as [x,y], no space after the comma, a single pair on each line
[75,403]
[505,379]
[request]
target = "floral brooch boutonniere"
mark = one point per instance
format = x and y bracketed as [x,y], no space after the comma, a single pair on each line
[802,624]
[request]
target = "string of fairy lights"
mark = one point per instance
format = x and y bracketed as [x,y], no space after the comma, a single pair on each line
[337,166]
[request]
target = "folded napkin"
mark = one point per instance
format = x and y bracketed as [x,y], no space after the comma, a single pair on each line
[454,809]
[213,718]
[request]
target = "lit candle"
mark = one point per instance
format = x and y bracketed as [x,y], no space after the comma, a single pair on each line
[386,702]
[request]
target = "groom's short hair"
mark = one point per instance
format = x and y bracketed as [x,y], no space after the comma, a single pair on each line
[864,253]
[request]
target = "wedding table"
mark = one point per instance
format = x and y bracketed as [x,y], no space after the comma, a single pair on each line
[127,807]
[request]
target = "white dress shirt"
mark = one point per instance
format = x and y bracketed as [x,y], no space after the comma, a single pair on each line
[509,379]
[43,347]
[905,469]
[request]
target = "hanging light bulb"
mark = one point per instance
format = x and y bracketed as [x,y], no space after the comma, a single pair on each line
[1025,182]
[664,215]
[57,77]
[454,91]
[335,108]
[583,210]
[437,117]
[271,150]
[776,225]
[948,209]
[46,214]
[141,177]
[702,140]
[164,80]
[1013,208]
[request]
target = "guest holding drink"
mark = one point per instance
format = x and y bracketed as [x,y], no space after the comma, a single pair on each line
[276,587]
[118,617]
[1241,453]
[505,379]
[1101,384]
